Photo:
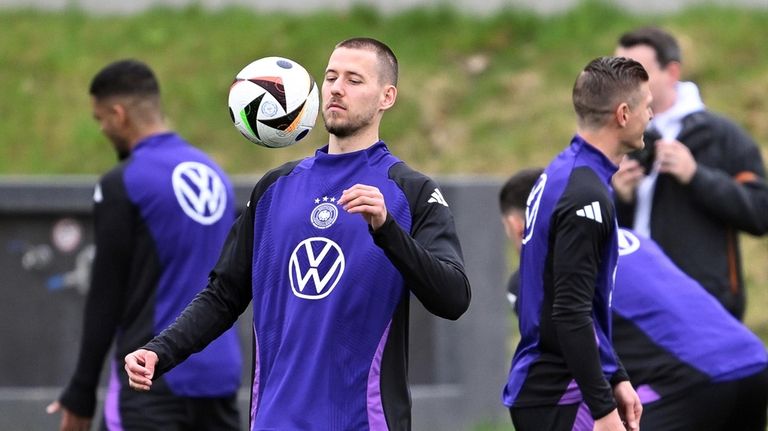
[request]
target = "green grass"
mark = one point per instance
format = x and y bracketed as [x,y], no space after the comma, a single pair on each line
[478,95]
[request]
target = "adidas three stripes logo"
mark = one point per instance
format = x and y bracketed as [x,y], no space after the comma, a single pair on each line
[591,211]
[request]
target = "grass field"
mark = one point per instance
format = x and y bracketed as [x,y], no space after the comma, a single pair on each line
[478,95]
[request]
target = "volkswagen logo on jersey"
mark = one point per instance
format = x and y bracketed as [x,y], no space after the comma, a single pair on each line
[200,192]
[628,242]
[532,206]
[325,213]
[315,268]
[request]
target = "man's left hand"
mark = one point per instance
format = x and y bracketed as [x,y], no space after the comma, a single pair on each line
[366,201]
[630,408]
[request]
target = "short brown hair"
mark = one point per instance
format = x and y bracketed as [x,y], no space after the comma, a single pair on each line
[603,84]
[663,44]
[388,72]
[126,77]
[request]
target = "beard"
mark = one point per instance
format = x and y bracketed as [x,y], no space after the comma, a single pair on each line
[342,128]
[121,146]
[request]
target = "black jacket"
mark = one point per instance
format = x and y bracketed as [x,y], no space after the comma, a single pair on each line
[697,224]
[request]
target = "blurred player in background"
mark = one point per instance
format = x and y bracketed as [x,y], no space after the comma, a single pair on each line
[330,250]
[565,369]
[694,366]
[161,217]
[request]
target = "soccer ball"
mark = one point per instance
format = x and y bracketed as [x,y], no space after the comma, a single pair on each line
[273,102]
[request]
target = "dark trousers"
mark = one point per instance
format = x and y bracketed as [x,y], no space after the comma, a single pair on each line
[163,411]
[729,406]
[572,417]
[738,405]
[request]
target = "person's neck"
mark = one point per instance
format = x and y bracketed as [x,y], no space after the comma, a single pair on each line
[606,142]
[665,104]
[349,144]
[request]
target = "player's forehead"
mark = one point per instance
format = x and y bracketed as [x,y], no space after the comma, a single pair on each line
[358,61]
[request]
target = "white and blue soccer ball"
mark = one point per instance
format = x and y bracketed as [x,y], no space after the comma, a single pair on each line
[274,102]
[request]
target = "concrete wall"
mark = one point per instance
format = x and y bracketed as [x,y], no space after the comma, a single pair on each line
[473,6]
[457,368]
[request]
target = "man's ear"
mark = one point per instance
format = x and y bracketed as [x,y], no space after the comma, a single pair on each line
[622,114]
[388,97]
[674,70]
[120,112]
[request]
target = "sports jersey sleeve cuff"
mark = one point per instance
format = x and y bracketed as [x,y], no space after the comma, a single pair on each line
[78,400]
[619,376]
[603,412]
[383,230]
[164,360]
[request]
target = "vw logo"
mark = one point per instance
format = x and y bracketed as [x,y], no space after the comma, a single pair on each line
[315,268]
[628,242]
[532,207]
[200,192]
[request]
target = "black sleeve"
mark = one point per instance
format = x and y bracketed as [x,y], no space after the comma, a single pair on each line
[738,195]
[578,250]
[114,221]
[625,212]
[217,307]
[429,258]
[621,374]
